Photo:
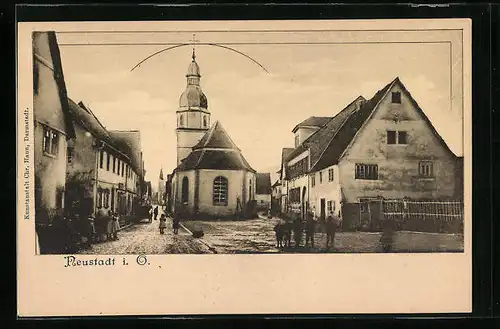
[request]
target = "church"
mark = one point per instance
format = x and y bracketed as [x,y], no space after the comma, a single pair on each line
[212,178]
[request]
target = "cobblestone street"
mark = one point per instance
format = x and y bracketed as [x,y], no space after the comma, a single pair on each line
[257,236]
[145,238]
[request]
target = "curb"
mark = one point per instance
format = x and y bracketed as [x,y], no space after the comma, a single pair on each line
[212,249]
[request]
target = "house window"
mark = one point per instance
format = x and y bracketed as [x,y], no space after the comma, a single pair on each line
[425,169]
[330,175]
[220,191]
[391,137]
[313,180]
[108,158]
[320,177]
[366,171]
[101,159]
[397,137]
[402,137]
[69,154]
[331,206]
[99,198]
[114,164]
[106,198]
[118,168]
[123,168]
[185,190]
[396,97]
[50,141]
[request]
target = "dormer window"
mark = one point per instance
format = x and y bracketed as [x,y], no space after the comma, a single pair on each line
[396,97]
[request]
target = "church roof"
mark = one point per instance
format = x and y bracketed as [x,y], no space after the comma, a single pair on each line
[216,137]
[215,150]
[263,183]
[312,122]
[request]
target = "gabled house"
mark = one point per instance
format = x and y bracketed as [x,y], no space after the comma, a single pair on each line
[52,128]
[384,147]
[263,190]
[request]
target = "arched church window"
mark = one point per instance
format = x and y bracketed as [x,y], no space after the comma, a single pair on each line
[205,123]
[185,190]
[181,120]
[220,191]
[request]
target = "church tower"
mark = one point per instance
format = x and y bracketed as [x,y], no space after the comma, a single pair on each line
[193,117]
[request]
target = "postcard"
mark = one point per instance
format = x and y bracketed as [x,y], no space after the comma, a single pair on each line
[244,167]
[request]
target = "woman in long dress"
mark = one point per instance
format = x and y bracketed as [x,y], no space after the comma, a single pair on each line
[115,226]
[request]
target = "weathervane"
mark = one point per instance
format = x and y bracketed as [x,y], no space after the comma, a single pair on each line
[194,45]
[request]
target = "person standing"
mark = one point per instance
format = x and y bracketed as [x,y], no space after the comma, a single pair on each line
[297,231]
[310,228]
[156,212]
[116,226]
[109,225]
[387,238]
[163,223]
[332,224]
[176,223]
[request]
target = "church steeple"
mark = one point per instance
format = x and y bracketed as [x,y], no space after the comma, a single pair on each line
[193,117]
[161,174]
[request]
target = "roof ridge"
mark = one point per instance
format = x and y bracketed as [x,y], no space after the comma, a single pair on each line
[332,118]
[334,135]
[382,96]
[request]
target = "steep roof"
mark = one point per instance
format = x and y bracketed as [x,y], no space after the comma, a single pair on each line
[85,117]
[215,150]
[276,183]
[312,122]
[46,50]
[346,131]
[129,142]
[262,183]
[319,140]
[216,137]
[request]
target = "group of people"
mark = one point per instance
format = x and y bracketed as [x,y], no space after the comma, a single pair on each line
[153,212]
[285,228]
[74,230]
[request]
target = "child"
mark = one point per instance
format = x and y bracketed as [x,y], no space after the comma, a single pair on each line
[163,223]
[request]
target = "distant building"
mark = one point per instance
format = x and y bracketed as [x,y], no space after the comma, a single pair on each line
[161,188]
[212,178]
[385,147]
[52,128]
[263,190]
[276,196]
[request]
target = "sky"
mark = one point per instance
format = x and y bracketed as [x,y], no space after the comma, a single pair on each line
[258,109]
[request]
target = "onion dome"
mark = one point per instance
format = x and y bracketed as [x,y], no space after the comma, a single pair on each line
[193,95]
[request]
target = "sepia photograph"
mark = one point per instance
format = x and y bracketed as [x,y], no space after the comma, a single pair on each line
[220,158]
[248,142]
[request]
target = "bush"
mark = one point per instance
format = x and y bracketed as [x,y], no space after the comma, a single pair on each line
[198,232]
